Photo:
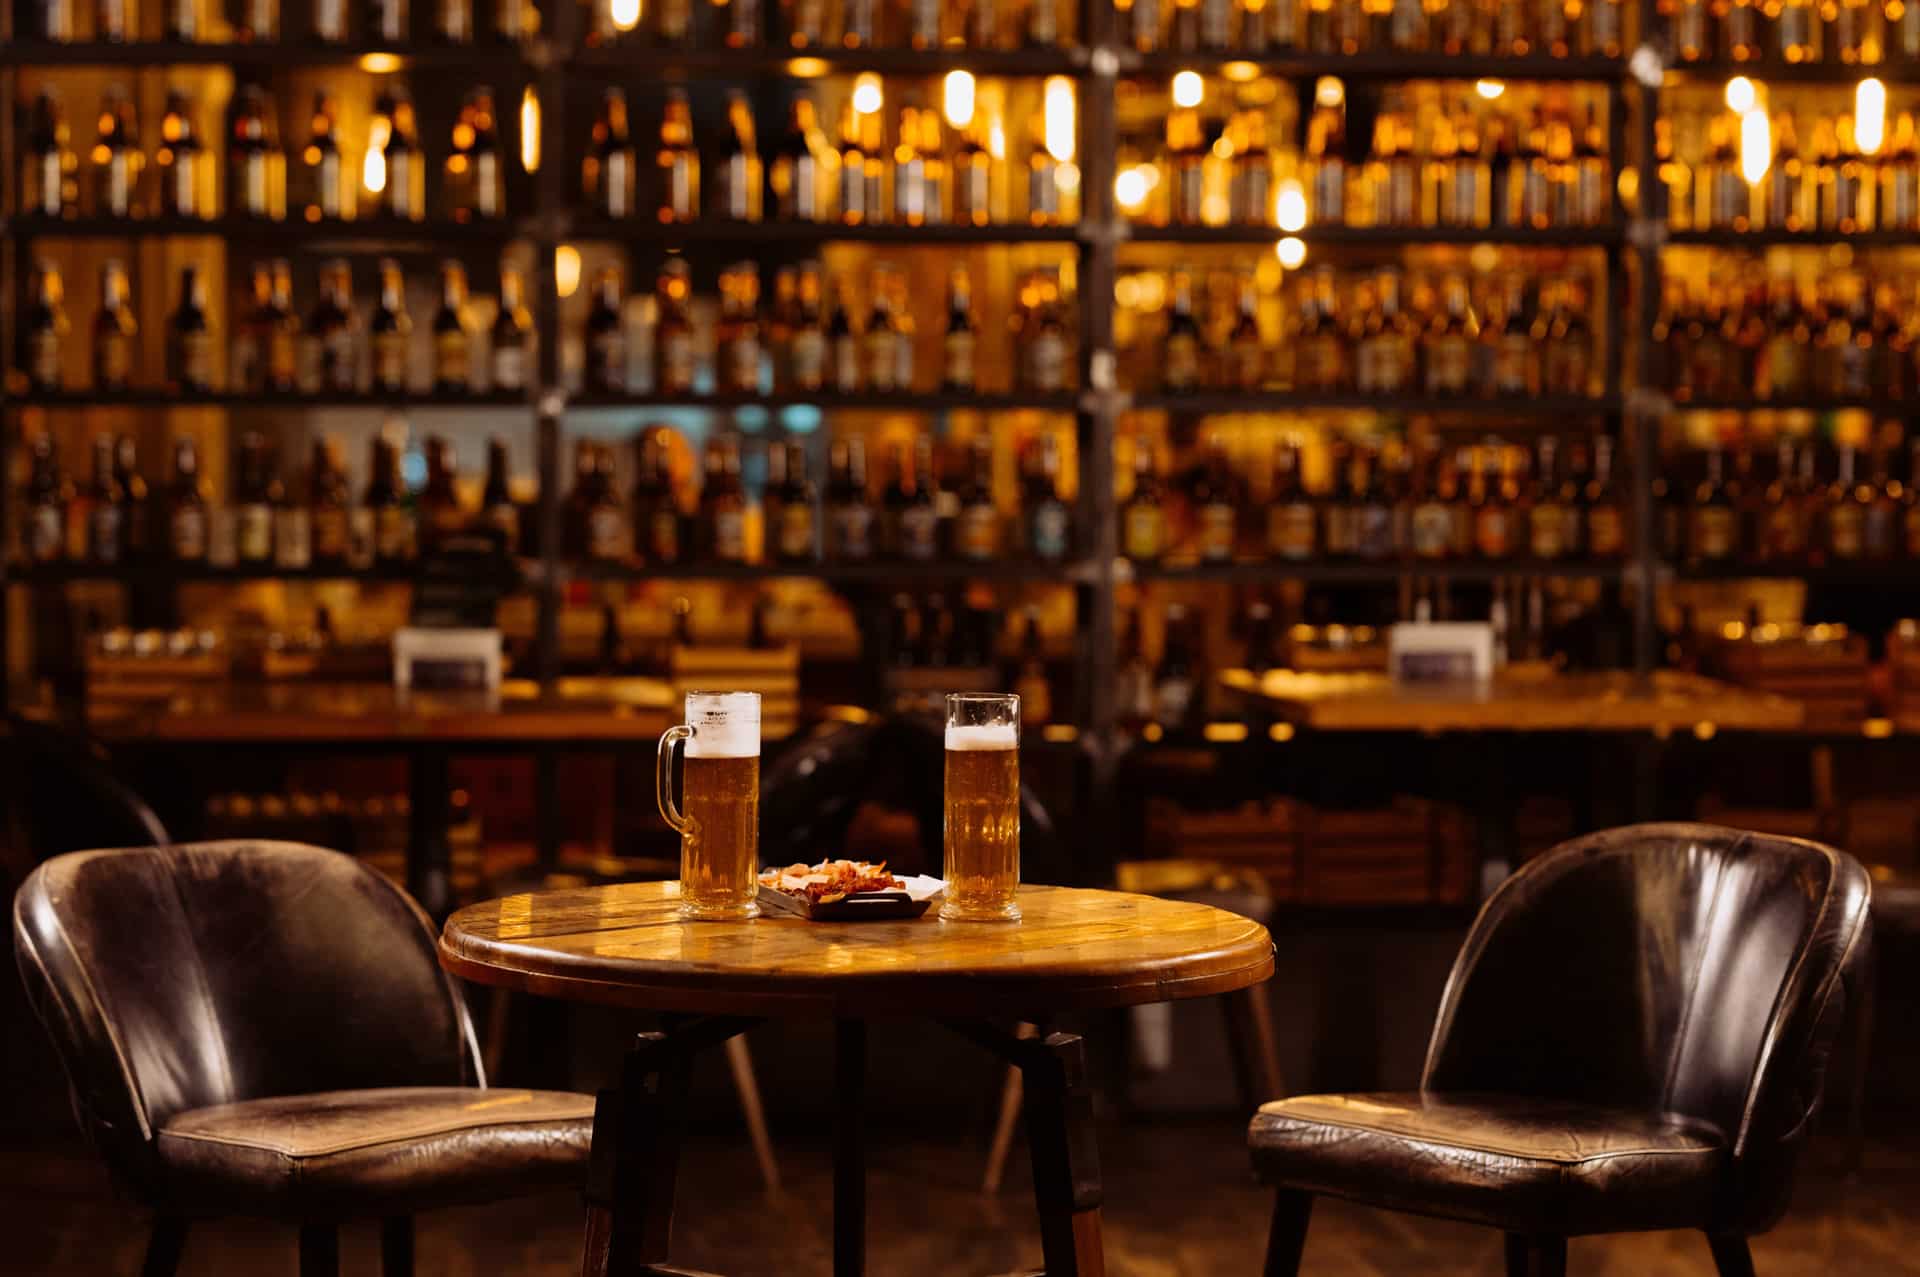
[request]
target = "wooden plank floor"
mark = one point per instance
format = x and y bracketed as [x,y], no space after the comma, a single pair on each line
[1180,1203]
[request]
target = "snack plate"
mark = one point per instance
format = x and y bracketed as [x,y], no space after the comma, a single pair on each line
[862,906]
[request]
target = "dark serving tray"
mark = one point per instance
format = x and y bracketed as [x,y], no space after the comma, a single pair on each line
[862,906]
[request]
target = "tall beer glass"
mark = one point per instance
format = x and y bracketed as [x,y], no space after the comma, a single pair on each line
[719,819]
[983,807]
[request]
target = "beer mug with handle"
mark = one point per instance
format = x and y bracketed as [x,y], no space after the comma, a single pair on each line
[983,807]
[718,818]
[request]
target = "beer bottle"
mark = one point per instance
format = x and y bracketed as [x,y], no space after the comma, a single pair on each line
[475,169]
[1292,524]
[48,187]
[1216,512]
[849,512]
[607,336]
[656,507]
[498,509]
[1143,520]
[406,188]
[676,360]
[393,524]
[330,338]
[1547,514]
[957,371]
[1250,183]
[677,162]
[972,179]
[1606,519]
[327,499]
[1181,355]
[795,535]
[117,159]
[52,20]
[895,500]
[808,354]
[1373,522]
[330,21]
[47,500]
[190,338]
[1030,681]
[389,332]
[257,21]
[979,520]
[806,22]
[106,508]
[1175,683]
[441,514]
[738,334]
[452,341]
[607,173]
[796,176]
[256,170]
[1713,525]
[1880,526]
[1430,521]
[114,329]
[1049,519]
[673,21]
[885,339]
[180,21]
[1044,342]
[325,191]
[723,503]
[1246,351]
[738,187]
[136,525]
[740,24]
[512,336]
[453,21]
[181,162]
[843,346]
[253,502]
[388,21]
[186,506]
[510,21]
[1847,501]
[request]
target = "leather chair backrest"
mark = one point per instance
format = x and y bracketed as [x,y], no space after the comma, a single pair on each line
[173,978]
[1675,968]
[64,796]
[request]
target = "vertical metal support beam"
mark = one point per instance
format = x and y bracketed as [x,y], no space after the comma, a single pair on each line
[546,395]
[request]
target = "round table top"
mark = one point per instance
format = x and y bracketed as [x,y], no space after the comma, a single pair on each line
[1072,950]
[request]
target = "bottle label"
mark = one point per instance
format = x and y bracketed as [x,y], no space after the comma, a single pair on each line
[959,353]
[743,365]
[1449,365]
[1606,531]
[807,355]
[608,356]
[47,533]
[1047,361]
[392,533]
[979,531]
[1216,531]
[796,530]
[116,361]
[919,532]
[606,534]
[1290,530]
[453,359]
[223,549]
[1373,532]
[730,536]
[1493,532]
[881,359]
[846,365]
[104,527]
[1715,532]
[292,538]
[253,533]
[1877,531]
[332,539]
[1547,529]
[1173,700]
[510,367]
[1052,527]
[663,535]
[189,532]
[504,518]
[1431,530]
[853,531]
[1182,368]
[389,361]
[43,357]
[196,359]
[1145,531]
[1846,533]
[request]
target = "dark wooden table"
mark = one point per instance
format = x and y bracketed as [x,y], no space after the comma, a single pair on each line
[626,946]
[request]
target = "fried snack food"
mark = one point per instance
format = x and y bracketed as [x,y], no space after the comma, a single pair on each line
[830,880]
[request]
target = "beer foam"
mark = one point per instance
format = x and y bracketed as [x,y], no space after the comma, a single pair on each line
[983,737]
[724,732]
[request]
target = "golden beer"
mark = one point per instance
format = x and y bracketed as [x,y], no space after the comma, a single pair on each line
[982,822]
[720,846]
[718,817]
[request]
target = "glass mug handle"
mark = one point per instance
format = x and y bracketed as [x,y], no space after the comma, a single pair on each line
[663,777]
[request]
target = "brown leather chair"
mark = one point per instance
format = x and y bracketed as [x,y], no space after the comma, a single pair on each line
[263,1029]
[1633,1038]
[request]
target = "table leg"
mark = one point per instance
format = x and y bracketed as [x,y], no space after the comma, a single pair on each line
[849,1154]
[429,854]
[637,1129]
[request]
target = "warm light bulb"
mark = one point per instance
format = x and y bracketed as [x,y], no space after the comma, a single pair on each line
[1188,89]
[958,98]
[1756,145]
[379,63]
[1328,91]
[997,139]
[373,169]
[1058,98]
[1489,89]
[1741,95]
[530,130]
[566,269]
[1869,115]
[867,98]
[1290,206]
[625,14]
[1291,252]
[1130,188]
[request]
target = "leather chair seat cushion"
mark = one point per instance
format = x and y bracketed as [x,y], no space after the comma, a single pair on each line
[392,1151]
[1537,1166]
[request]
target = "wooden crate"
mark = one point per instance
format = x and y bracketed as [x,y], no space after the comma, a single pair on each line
[1825,669]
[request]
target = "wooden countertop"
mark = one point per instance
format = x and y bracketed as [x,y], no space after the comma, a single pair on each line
[1072,950]
[1519,701]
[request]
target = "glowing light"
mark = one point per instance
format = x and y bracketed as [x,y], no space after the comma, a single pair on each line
[997,139]
[625,14]
[806,68]
[1280,732]
[1704,731]
[1224,733]
[1869,115]
[1291,251]
[1241,72]
[1290,206]
[380,63]
[373,169]
[1188,89]
[1756,145]
[1741,95]
[957,98]
[530,130]
[1132,186]
[867,97]
[1490,89]
[1058,98]
[1328,91]
[1067,177]
[566,270]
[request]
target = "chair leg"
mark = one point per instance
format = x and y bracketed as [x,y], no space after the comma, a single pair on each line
[1012,1100]
[164,1246]
[1256,1059]
[396,1246]
[1287,1236]
[1536,1256]
[319,1250]
[1731,1258]
[740,1062]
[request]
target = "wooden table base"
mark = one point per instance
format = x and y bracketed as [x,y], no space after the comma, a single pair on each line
[638,1127]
